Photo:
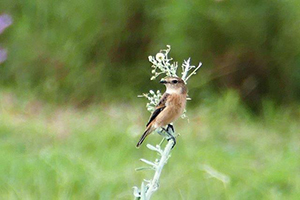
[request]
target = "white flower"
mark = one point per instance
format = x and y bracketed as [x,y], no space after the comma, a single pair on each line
[160,57]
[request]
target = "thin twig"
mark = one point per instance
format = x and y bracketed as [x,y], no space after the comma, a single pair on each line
[194,72]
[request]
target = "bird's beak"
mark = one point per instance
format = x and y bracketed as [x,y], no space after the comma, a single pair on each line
[163,81]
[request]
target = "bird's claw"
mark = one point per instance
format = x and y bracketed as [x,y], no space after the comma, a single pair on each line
[170,126]
[171,136]
[174,140]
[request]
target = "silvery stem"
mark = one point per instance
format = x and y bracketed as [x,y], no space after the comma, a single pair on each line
[153,186]
[194,72]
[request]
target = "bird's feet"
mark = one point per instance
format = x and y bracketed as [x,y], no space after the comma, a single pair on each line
[174,140]
[170,135]
[170,126]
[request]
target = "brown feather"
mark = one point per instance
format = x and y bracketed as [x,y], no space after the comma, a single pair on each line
[169,108]
[149,129]
[160,106]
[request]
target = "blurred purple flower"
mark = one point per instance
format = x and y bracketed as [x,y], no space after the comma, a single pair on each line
[3,55]
[5,21]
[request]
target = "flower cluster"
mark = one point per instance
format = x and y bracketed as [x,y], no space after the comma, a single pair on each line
[161,64]
[153,99]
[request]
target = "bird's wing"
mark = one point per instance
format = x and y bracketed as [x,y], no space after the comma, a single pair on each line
[160,107]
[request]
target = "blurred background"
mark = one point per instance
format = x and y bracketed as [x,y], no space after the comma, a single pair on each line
[70,117]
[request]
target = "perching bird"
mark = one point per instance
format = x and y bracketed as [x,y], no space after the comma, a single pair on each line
[170,107]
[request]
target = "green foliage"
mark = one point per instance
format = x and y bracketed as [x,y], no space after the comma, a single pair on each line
[82,51]
[64,153]
[251,46]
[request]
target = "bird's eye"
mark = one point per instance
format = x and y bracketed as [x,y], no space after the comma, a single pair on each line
[174,81]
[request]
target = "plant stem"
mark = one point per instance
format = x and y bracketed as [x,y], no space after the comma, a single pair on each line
[153,186]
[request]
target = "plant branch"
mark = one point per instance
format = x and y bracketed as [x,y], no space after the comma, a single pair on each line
[147,190]
[161,64]
[153,186]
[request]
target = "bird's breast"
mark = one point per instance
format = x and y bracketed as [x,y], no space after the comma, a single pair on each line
[177,102]
[174,108]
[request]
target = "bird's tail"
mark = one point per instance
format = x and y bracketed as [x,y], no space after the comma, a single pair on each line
[145,134]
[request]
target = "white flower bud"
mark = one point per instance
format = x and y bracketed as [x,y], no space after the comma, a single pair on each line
[160,57]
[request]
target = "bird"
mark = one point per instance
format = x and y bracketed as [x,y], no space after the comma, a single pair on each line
[169,108]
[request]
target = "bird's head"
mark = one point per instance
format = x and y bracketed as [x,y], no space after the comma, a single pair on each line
[174,85]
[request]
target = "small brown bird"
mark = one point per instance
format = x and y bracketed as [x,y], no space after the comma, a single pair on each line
[170,107]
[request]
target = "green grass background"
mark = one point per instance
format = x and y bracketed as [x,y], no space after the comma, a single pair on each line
[53,152]
[84,51]
[70,119]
